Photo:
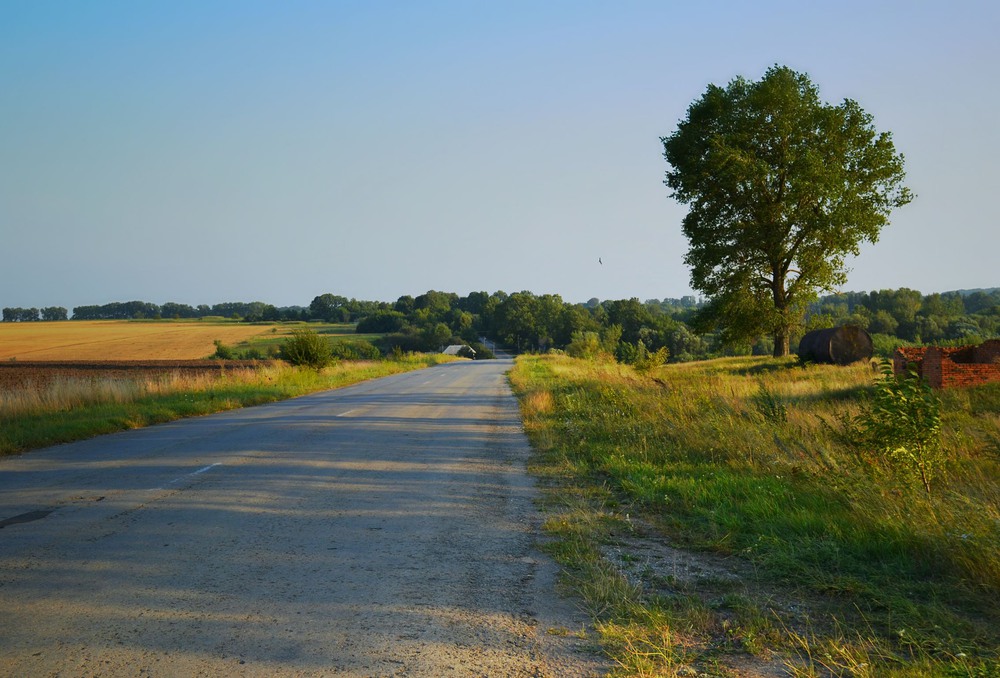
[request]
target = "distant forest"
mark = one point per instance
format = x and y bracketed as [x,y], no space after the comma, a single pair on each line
[524,321]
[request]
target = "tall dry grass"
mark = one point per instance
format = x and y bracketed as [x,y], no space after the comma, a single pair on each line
[748,458]
[66,393]
[72,409]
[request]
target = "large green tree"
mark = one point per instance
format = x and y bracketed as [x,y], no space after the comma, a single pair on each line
[781,188]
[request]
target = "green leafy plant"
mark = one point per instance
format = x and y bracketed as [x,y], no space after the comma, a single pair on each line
[305,347]
[227,352]
[640,357]
[770,405]
[355,350]
[585,345]
[224,351]
[902,422]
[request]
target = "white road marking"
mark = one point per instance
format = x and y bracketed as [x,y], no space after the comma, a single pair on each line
[344,414]
[190,475]
[202,470]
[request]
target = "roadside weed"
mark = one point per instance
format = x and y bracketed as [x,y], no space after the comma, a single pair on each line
[746,459]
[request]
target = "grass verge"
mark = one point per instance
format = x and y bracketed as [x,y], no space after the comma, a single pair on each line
[712,514]
[74,409]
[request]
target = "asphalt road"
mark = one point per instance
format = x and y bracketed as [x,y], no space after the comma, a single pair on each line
[386,529]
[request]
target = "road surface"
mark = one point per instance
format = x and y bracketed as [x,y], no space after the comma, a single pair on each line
[385,529]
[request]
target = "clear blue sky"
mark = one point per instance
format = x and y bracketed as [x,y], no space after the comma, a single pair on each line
[202,152]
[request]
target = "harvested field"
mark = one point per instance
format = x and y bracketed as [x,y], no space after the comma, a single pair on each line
[98,340]
[15,375]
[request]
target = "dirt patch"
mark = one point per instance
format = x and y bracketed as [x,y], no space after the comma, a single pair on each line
[741,610]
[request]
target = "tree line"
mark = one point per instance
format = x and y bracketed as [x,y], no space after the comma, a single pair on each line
[254,311]
[20,315]
[629,330]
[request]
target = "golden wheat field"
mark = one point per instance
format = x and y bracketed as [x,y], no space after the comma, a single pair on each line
[118,339]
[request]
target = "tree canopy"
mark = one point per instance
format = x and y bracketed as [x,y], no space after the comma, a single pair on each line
[781,189]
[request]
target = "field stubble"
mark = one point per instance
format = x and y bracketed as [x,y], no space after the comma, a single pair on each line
[89,340]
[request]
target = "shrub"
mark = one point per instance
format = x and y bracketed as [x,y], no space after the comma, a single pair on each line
[405,342]
[902,421]
[640,357]
[595,346]
[884,345]
[256,353]
[305,347]
[482,351]
[355,350]
[224,352]
[586,345]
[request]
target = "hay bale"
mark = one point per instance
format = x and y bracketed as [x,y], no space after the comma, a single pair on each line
[837,345]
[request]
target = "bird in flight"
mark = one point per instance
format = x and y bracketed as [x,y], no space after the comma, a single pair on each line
[599,261]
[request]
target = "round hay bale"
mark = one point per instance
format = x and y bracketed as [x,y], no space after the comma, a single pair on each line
[837,345]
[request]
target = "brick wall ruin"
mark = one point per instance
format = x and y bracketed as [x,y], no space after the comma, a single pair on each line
[952,367]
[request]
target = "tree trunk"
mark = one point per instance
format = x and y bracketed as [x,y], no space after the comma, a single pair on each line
[781,334]
[781,338]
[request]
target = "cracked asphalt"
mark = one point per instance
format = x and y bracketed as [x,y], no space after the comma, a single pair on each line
[385,529]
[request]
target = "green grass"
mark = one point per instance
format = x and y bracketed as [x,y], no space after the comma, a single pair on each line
[73,409]
[744,459]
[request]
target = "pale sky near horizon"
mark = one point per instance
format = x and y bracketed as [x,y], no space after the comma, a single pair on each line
[202,152]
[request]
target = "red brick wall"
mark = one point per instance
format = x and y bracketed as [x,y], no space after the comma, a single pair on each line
[933,368]
[952,367]
[968,374]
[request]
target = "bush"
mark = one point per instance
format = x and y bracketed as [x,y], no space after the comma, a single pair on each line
[585,345]
[223,351]
[355,350]
[595,346]
[902,422]
[305,347]
[482,351]
[227,352]
[884,345]
[640,357]
[405,342]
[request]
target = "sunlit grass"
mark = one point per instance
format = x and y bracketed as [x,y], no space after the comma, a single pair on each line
[746,458]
